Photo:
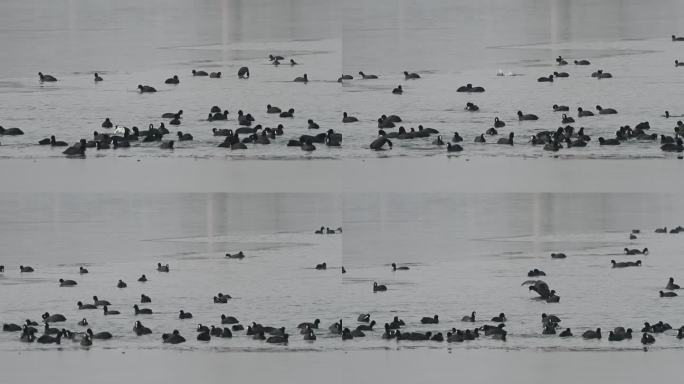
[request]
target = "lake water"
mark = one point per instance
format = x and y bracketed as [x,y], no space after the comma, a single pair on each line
[469,225]
[124,236]
[466,252]
[133,43]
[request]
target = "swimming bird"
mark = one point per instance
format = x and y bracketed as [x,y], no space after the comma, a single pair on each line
[218,116]
[430,320]
[603,141]
[605,111]
[173,338]
[308,146]
[379,287]
[469,88]
[278,339]
[140,329]
[309,335]
[470,318]
[567,120]
[272,109]
[142,278]
[221,298]
[561,61]
[679,64]
[529,116]
[81,270]
[366,77]
[671,284]
[601,75]
[25,269]
[500,319]
[107,123]
[508,141]
[204,336]
[398,90]
[301,79]
[667,294]
[636,251]
[67,283]
[167,144]
[121,284]
[243,73]
[107,312]
[583,113]
[544,79]
[11,327]
[99,336]
[498,123]
[146,88]
[592,334]
[184,136]
[408,75]
[647,339]
[535,273]
[675,38]
[582,62]
[172,80]
[661,230]
[46,78]
[47,339]
[239,255]
[480,139]
[99,302]
[541,288]
[348,119]
[145,299]
[288,113]
[678,146]
[379,143]
[438,141]
[162,268]
[76,150]
[471,107]
[199,73]
[625,264]
[313,325]
[184,315]
[11,131]
[345,77]
[322,266]
[215,75]
[402,268]
[560,108]
[566,333]
[454,148]
[141,311]
[561,74]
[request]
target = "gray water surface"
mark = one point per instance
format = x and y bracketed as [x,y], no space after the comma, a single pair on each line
[448,43]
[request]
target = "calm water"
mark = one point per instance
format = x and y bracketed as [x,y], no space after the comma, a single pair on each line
[466,252]
[471,252]
[123,236]
[448,43]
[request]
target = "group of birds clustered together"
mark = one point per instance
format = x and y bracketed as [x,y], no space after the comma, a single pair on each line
[567,135]
[392,329]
